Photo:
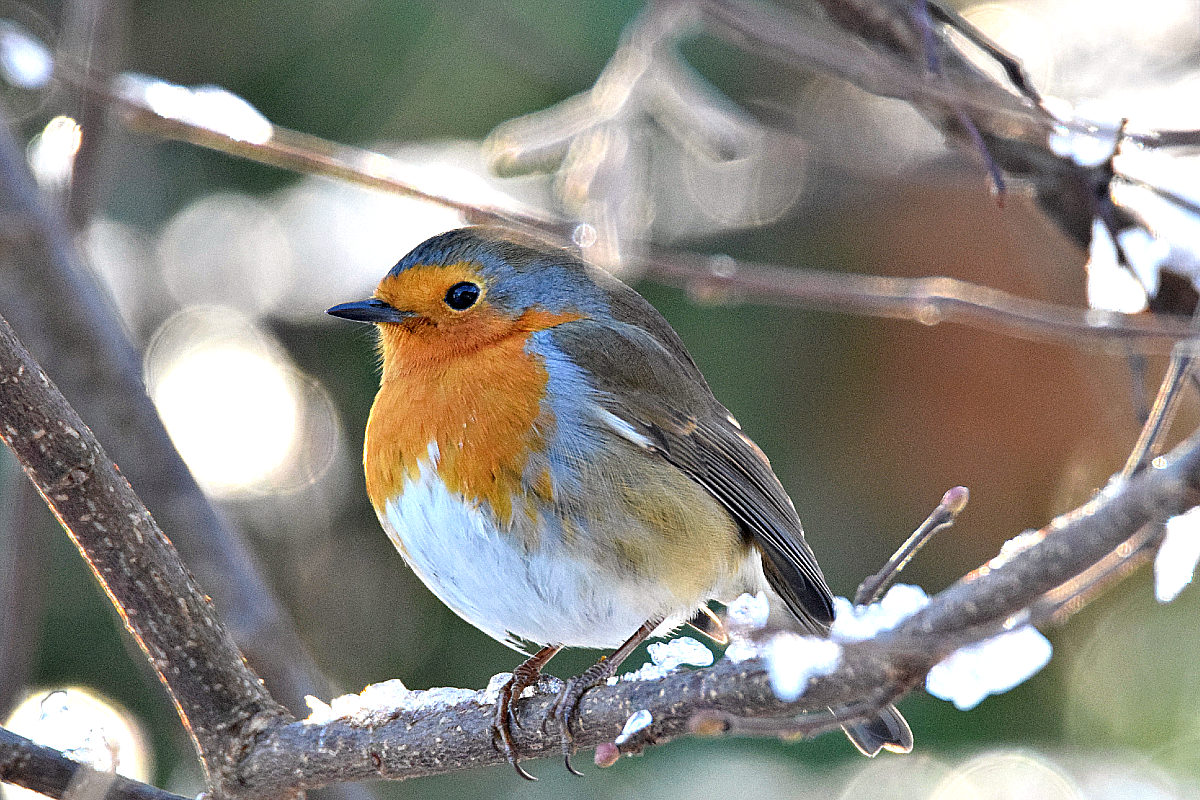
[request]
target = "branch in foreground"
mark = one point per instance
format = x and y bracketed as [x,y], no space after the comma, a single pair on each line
[43,281]
[254,750]
[221,702]
[439,738]
[49,772]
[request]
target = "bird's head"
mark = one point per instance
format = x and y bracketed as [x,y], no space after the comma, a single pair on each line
[464,289]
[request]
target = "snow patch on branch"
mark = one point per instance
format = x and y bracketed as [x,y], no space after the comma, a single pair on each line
[666,657]
[387,700]
[749,612]
[1175,562]
[637,722]
[793,660]
[992,666]
[855,623]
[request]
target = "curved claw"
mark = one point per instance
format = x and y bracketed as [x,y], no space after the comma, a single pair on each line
[568,699]
[513,719]
[570,769]
[568,704]
[500,728]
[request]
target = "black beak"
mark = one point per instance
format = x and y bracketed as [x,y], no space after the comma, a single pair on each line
[369,310]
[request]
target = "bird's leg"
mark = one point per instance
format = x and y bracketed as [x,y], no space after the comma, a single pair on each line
[568,700]
[523,677]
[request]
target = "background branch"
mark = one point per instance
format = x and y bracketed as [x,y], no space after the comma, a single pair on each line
[928,301]
[22,570]
[925,300]
[43,285]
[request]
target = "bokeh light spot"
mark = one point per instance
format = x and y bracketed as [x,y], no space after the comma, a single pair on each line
[230,412]
[230,399]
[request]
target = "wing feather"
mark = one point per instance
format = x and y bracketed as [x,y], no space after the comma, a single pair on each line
[655,391]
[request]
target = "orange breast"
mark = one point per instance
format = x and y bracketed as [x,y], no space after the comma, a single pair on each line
[478,397]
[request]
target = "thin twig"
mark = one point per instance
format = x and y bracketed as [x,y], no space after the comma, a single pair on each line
[925,300]
[297,152]
[1162,412]
[782,35]
[1065,600]
[1008,62]
[91,33]
[952,504]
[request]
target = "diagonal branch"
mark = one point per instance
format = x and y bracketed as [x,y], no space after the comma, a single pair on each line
[60,313]
[221,702]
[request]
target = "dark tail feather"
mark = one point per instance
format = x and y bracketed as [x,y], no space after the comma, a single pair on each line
[888,731]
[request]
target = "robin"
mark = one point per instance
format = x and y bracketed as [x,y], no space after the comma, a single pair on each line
[549,460]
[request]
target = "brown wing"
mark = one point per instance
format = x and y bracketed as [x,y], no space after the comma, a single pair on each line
[654,387]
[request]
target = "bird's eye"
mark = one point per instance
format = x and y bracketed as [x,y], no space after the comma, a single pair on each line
[462,296]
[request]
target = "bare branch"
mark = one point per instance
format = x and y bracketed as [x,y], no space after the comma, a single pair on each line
[782,35]
[925,300]
[22,583]
[91,29]
[952,504]
[1166,403]
[49,772]
[222,703]
[294,151]
[44,282]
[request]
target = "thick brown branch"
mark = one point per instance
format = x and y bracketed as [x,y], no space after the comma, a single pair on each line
[49,772]
[59,312]
[223,704]
[449,738]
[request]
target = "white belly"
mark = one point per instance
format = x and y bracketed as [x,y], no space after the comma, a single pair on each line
[486,576]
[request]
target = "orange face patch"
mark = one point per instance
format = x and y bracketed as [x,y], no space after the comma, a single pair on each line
[422,290]
[462,380]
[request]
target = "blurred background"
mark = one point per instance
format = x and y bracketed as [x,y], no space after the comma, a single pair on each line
[221,270]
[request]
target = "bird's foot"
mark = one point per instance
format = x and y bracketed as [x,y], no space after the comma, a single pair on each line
[567,706]
[504,718]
